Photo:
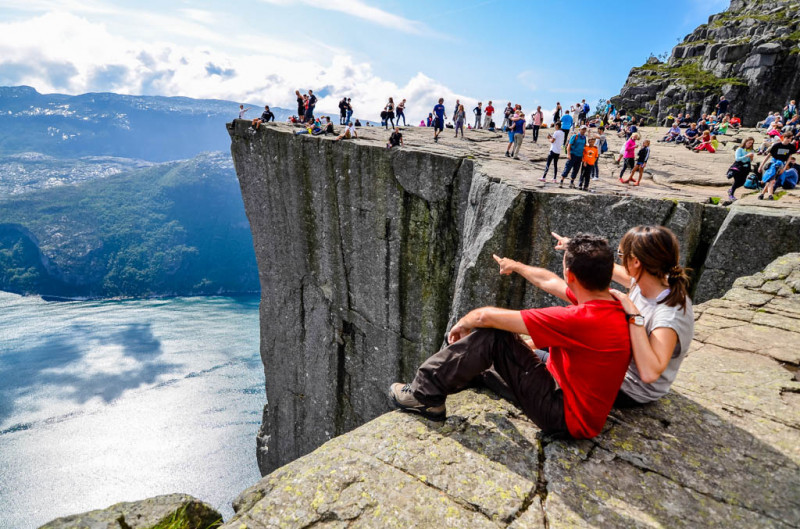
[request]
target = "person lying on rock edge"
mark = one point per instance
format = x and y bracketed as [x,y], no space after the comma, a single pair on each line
[658,291]
[568,395]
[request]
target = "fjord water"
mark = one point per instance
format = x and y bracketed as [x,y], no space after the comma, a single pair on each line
[109,401]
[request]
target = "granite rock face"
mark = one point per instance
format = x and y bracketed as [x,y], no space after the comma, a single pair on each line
[721,450]
[366,255]
[175,511]
[750,53]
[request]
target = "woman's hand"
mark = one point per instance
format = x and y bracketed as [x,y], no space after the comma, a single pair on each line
[506,265]
[627,304]
[561,242]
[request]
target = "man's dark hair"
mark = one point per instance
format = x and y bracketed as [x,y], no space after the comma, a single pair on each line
[591,260]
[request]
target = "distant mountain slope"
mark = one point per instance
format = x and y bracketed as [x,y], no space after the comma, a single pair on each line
[173,228]
[29,171]
[149,128]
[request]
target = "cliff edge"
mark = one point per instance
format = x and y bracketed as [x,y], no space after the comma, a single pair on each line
[365,255]
[721,450]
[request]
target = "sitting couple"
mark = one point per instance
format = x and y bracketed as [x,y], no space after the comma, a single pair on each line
[577,363]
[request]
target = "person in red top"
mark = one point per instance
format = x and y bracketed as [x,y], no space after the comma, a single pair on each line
[488,112]
[569,395]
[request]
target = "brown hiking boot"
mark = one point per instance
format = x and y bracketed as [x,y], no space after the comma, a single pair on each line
[403,398]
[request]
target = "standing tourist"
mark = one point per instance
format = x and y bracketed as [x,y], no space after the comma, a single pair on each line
[602,145]
[349,110]
[556,142]
[460,117]
[489,111]
[566,125]
[557,113]
[389,110]
[628,153]
[575,147]
[301,107]
[518,124]
[242,111]
[401,109]
[507,113]
[590,155]
[536,121]
[478,111]
[312,102]
[438,120]
[343,111]
[742,166]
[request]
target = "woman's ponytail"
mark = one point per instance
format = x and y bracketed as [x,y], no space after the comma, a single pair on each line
[678,281]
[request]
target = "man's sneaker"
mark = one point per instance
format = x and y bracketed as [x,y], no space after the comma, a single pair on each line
[436,139]
[561,183]
[731,198]
[403,398]
[508,155]
[572,184]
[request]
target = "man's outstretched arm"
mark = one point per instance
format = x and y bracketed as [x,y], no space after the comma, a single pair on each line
[487,317]
[538,277]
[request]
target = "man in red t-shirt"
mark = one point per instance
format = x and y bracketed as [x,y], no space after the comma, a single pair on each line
[571,394]
[488,111]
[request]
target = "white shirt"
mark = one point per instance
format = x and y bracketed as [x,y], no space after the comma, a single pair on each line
[558,143]
[657,315]
[242,111]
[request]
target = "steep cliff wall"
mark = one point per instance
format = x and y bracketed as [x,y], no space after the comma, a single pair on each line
[750,53]
[365,255]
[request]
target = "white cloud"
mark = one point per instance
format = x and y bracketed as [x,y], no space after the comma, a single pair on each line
[359,9]
[76,55]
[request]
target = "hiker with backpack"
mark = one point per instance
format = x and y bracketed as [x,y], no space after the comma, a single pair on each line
[575,147]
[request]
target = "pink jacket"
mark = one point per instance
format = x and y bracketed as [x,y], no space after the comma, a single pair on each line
[630,148]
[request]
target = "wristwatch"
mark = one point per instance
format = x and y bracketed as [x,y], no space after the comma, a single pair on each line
[636,319]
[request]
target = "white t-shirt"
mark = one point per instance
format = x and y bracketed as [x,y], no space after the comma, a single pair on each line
[657,315]
[556,146]
[242,111]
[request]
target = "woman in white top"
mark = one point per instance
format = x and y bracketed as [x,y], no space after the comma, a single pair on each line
[659,292]
[660,315]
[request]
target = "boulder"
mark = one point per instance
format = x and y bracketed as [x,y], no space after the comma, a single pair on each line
[172,511]
[733,52]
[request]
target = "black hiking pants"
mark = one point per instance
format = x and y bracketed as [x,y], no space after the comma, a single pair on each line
[500,361]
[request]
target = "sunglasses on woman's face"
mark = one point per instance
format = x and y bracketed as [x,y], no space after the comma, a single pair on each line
[620,255]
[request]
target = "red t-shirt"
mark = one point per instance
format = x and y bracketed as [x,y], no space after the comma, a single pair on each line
[590,349]
[489,110]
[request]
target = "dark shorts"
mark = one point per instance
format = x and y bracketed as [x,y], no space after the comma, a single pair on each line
[438,124]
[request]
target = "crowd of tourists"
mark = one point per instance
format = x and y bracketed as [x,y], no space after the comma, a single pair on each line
[581,137]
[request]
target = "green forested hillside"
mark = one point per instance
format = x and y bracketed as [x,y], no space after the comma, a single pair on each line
[174,228]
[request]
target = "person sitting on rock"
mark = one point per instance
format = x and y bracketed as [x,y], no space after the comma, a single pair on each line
[792,125]
[768,120]
[673,133]
[569,395]
[661,318]
[722,128]
[775,164]
[266,117]
[736,122]
[788,179]
[692,136]
[349,132]
[396,139]
[705,144]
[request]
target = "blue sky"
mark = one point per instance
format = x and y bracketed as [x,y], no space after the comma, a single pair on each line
[532,52]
